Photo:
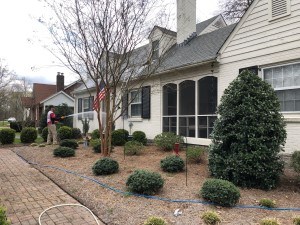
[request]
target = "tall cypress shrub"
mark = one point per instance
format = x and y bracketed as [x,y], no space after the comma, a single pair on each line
[248,134]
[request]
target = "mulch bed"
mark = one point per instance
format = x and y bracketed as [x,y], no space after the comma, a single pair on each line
[115,208]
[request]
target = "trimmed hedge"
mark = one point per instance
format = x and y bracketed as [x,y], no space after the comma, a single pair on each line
[105,166]
[139,136]
[28,135]
[172,164]
[96,144]
[221,192]
[64,152]
[166,140]
[119,137]
[144,182]
[76,133]
[64,132]
[17,126]
[45,134]
[7,136]
[71,143]
[95,134]
[133,148]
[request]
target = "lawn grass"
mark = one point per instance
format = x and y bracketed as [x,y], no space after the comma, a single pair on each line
[4,124]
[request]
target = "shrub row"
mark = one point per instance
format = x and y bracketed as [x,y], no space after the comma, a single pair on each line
[63,132]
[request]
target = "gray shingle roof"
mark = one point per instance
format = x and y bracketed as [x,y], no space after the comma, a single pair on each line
[201,26]
[200,49]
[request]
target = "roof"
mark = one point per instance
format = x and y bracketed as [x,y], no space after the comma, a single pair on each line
[165,30]
[27,101]
[56,94]
[200,49]
[201,26]
[42,91]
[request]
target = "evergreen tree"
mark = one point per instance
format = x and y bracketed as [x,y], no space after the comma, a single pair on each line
[248,135]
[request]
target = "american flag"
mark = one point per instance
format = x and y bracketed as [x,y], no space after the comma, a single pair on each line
[100,96]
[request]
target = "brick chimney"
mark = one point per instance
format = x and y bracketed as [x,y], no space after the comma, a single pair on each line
[186,20]
[60,82]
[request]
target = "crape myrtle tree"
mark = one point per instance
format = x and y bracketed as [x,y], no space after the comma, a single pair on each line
[233,10]
[99,40]
[248,134]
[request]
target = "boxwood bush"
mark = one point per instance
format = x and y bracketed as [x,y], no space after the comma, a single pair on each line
[194,154]
[7,136]
[64,132]
[155,221]
[71,143]
[119,137]
[17,126]
[76,133]
[221,192]
[45,134]
[295,161]
[172,164]
[133,148]
[166,140]
[28,135]
[96,145]
[3,217]
[139,136]
[105,166]
[95,134]
[144,182]
[211,218]
[64,152]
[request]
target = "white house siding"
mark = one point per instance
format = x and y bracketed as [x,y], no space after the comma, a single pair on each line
[60,99]
[153,126]
[261,42]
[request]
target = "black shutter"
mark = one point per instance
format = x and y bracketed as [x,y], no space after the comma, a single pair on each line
[79,108]
[125,105]
[91,103]
[253,69]
[146,102]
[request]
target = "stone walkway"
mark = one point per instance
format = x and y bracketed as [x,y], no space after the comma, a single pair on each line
[26,193]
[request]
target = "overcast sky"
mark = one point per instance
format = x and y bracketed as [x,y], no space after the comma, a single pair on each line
[24,53]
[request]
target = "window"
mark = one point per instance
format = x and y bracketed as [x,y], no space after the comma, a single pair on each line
[136,103]
[279,8]
[170,108]
[286,82]
[85,105]
[187,108]
[155,49]
[207,105]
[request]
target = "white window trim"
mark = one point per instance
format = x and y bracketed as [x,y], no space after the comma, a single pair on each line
[288,5]
[134,103]
[282,88]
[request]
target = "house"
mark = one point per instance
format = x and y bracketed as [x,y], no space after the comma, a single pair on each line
[200,61]
[47,94]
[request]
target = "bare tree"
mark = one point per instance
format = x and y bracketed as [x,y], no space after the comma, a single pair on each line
[98,40]
[233,10]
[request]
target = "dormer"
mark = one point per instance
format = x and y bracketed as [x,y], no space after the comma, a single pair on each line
[160,40]
[210,25]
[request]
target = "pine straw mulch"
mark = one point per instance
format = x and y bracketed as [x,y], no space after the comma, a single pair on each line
[115,208]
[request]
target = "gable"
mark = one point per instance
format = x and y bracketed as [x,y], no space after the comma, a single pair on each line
[257,35]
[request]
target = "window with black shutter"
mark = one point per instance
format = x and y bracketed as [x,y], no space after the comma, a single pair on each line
[79,108]
[146,102]
[125,105]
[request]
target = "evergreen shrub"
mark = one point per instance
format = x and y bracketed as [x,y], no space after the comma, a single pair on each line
[248,135]
[133,148]
[7,136]
[144,182]
[64,132]
[119,137]
[166,140]
[155,221]
[45,133]
[172,164]
[269,221]
[95,134]
[96,145]
[139,136]
[194,154]
[295,161]
[296,220]
[76,133]
[3,217]
[28,135]
[105,166]
[221,192]
[267,203]
[210,218]
[71,143]
[64,152]
[17,126]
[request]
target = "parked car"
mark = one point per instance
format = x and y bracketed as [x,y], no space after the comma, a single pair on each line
[11,119]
